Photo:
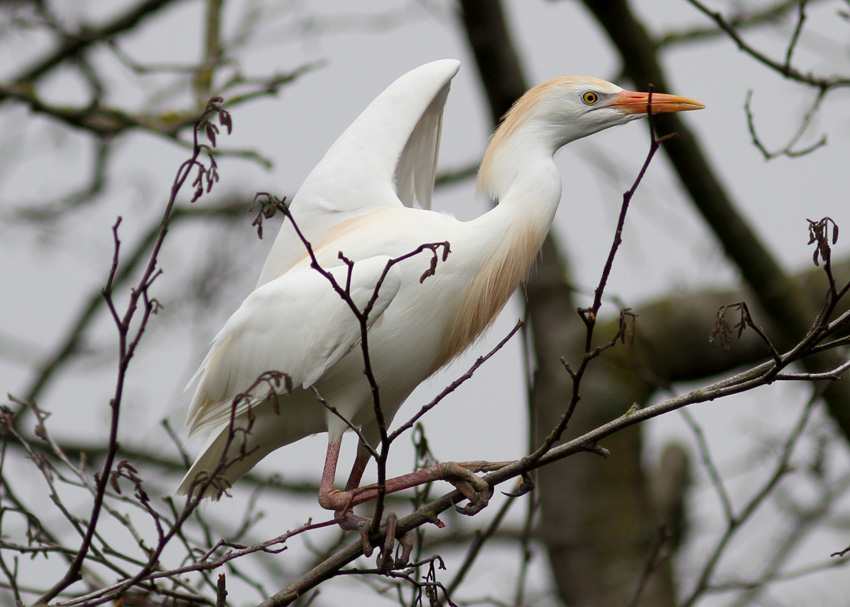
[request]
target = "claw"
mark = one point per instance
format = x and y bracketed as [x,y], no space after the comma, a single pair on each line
[526,485]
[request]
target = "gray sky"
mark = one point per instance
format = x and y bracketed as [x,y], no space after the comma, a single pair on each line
[46,274]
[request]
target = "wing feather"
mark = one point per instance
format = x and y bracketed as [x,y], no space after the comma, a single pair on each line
[295,324]
[417,166]
[387,157]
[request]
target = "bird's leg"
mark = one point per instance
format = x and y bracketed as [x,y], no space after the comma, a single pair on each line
[385,561]
[460,474]
[332,498]
[352,522]
[357,470]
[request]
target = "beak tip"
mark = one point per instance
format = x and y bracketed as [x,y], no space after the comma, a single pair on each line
[662,103]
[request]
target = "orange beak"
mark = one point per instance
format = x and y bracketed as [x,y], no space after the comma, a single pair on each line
[638,103]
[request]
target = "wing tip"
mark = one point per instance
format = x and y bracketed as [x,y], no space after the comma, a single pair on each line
[447,65]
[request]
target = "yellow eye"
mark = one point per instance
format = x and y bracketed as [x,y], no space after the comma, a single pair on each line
[590,97]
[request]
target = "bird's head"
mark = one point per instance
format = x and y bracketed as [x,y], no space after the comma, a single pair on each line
[570,108]
[559,111]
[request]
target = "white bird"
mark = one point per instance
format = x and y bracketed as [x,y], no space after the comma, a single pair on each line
[359,201]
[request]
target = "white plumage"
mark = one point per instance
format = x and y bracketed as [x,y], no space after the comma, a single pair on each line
[359,201]
[263,335]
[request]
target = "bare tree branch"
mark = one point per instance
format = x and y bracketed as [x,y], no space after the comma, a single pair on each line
[781,67]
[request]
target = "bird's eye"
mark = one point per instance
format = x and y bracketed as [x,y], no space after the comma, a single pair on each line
[590,97]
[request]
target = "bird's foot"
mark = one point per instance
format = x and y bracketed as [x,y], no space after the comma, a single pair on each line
[474,488]
[389,530]
[463,475]
[385,558]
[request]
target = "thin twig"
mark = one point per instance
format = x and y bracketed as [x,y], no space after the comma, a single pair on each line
[589,315]
[735,523]
[782,68]
[804,125]
[128,341]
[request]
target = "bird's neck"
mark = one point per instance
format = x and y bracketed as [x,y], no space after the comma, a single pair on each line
[519,174]
[517,166]
[505,241]
[525,209]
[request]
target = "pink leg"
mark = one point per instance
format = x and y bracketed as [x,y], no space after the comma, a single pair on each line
[357,471]
[462,475]
[331,498]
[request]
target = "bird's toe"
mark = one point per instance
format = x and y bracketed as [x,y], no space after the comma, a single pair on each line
[473,487]
[526,485]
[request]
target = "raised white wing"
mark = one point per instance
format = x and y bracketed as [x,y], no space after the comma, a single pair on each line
[296,324]
[387,157]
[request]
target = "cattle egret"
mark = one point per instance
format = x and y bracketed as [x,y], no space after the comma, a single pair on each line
[359,201]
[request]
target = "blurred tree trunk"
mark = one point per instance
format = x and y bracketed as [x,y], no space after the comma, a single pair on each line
[605,526]
[785,305]
[596,515]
